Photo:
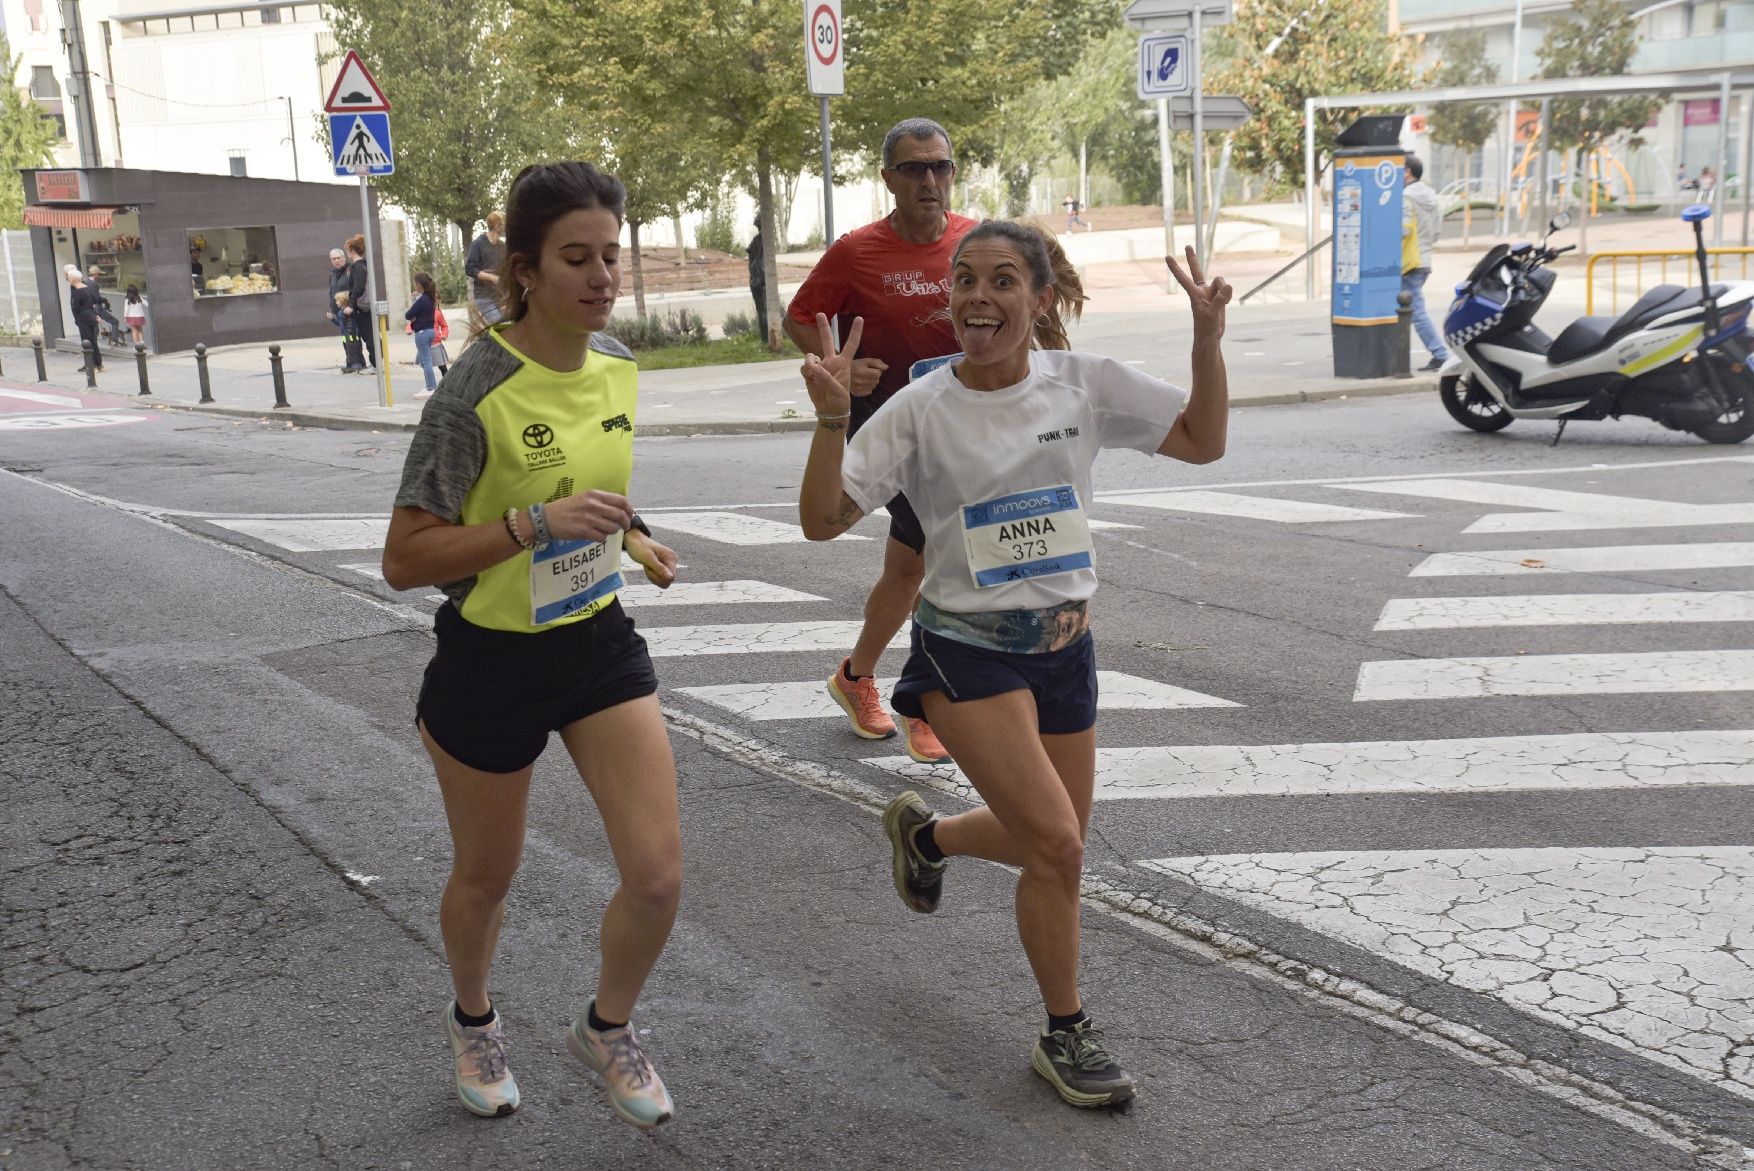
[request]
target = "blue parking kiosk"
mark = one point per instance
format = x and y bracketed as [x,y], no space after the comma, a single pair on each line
[1368,168]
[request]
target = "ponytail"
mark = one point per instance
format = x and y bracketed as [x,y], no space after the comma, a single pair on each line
[1048,268]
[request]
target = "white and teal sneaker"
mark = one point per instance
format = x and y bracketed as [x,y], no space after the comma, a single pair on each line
[636,1092]
[484,1083]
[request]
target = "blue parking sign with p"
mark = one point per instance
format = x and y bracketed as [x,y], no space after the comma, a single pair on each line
[360,144]
[1163,66]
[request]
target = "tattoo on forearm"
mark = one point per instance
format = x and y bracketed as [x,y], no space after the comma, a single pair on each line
[849,512]
[832,425]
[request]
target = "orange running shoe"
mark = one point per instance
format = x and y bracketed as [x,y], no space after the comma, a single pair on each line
[922,743]
[859,700]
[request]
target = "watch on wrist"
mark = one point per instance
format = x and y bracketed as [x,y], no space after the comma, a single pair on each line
[637,523]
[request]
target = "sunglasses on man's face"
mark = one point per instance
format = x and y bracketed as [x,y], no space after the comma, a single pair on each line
[915,170]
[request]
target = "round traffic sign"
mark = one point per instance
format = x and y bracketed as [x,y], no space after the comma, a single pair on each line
[825,34]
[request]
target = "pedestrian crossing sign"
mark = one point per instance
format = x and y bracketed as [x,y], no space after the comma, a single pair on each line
[360,144]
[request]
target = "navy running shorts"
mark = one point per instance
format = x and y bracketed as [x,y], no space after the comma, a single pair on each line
[491,697]
[1063,681]
[904,524]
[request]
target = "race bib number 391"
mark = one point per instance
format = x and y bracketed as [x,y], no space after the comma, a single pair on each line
[1026,535]
[570,575]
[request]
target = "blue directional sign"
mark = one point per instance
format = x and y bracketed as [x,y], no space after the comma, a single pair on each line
[361,144]
[1163,69]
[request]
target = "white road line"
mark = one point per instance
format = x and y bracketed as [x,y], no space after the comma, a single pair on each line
[303,534]
[1651,672]
[1107,524]
[642,595]
[42,397]
[736,529]
[73,421]
[809,700]
[1566,610]
[1577,761]
[1646,949]
[1600,559]
[1564,511]
[1249,507]
[755,638]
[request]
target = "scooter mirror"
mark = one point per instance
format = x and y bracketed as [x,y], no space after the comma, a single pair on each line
[1694,212]
[1562,220]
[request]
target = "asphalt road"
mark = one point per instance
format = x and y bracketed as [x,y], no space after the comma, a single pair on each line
[1368,888]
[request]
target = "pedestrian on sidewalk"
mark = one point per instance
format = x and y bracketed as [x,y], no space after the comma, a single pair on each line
[1421,221]
[894,273]
[341,282]
[758,282]
[82,303]
[420,318]
[359,300]
[481,266]
[134,313]
[94,278]
[995,450]
[1073,219]
[514,500]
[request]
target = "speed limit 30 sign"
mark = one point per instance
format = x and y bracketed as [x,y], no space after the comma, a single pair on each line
[824,48]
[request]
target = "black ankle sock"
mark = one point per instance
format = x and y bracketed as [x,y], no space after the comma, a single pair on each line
[1056,1023]
[597,1023]
[926,842]
[846,672]
[471,1022]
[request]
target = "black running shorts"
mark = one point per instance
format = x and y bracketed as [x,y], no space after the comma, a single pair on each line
[491,697]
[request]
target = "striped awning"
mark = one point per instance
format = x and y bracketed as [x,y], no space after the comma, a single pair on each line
[98,218]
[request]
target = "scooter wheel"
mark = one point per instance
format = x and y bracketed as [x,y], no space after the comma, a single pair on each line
[1737,423]
[1469,404]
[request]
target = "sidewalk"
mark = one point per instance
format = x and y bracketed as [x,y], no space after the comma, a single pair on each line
[1126,298]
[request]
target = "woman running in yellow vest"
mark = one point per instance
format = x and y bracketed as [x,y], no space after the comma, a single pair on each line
[994,449]
[514,500]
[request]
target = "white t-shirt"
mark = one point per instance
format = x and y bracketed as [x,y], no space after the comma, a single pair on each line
[1001,478]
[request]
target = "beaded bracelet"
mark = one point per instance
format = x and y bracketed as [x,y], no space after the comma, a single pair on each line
[539,522]
[511,526]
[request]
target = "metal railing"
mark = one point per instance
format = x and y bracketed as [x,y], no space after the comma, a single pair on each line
[1725,263]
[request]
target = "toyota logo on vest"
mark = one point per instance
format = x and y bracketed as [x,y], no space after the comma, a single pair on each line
[538,435]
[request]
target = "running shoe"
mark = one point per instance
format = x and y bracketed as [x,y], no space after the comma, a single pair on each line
[859,700]
[917,881]
[484,1083]
[423,394]
[1077,1063]
[922,743]
[636,1093]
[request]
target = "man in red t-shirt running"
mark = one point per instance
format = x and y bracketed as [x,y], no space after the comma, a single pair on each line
[895,273]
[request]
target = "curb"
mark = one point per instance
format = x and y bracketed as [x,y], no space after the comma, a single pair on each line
[1369,388]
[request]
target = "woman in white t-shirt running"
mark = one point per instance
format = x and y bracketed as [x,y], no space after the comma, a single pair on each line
[994,450]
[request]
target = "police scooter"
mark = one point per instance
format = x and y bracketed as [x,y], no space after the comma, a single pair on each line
[1679,355]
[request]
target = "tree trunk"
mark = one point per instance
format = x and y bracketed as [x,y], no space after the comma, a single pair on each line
[784,196]
[681,243]
[770,268]
[639,276]
[1583,210]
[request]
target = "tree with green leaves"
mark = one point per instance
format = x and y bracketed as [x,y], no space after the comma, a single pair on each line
[464,120]
[1464,125]
[27,139]
[1317,47]
[1595,39]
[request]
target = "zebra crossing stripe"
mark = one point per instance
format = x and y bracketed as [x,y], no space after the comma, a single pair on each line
[1600,559]
[310,534]
[1498,764]
[809,700]
[1653,672]
[734,528]
[1269,508]
[1644,948]
[1566,610]
[756,638]
[1564,511]
[642,595]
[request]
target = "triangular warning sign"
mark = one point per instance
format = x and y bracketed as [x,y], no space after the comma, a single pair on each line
[360,149]
[355,91]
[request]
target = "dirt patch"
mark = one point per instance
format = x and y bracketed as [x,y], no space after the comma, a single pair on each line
[664,271]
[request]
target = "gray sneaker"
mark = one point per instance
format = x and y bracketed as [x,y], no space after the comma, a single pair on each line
[917,881]
[1077,1063]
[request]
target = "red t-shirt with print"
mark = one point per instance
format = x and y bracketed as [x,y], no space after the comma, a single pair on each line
[901,289]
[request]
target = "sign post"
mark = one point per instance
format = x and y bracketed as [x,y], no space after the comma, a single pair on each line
[359,139]
[1163,75]
[826,67]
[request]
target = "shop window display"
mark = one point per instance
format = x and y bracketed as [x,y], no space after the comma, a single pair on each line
[230,262]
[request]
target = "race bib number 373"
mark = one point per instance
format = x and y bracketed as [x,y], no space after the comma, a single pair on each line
[568,576]
[1026,535]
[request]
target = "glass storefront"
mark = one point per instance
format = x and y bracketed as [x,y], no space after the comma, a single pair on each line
[231,262]
[112,260]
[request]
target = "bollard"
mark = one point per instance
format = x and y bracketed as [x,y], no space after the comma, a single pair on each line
[280,403]
[140,365]
[201,372]
[1403,335]
[90,365]
[36,343]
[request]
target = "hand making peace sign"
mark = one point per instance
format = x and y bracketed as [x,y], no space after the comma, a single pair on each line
[829,379]
[1206,298]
